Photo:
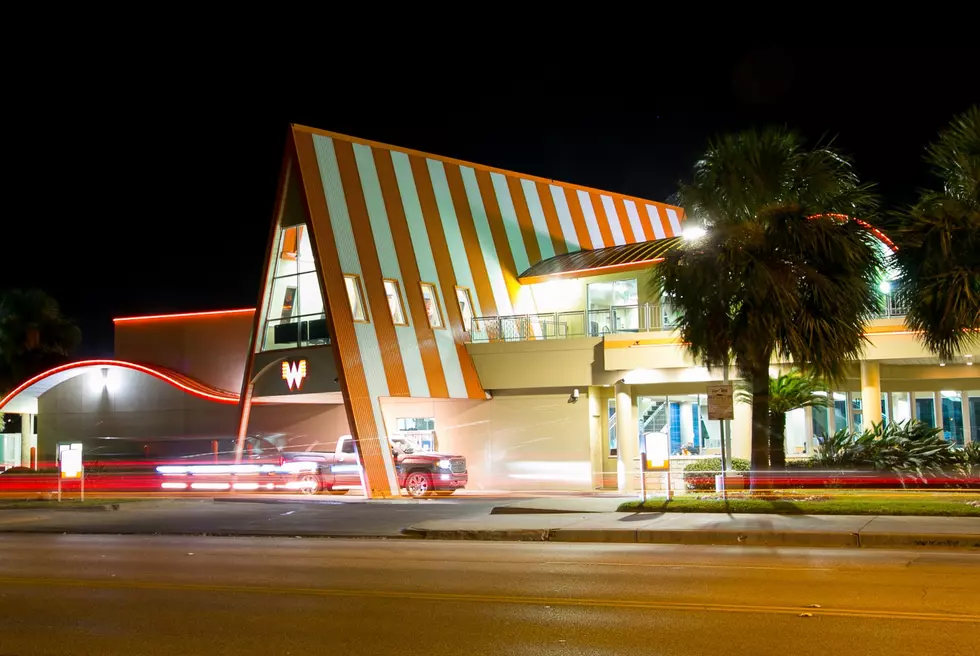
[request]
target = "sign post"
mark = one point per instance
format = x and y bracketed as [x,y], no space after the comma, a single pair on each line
[721,407]
[70,465]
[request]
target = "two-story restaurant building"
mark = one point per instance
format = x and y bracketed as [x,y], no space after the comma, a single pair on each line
[482,312]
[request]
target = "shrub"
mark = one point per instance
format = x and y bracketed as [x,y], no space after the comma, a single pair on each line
[700,474]
[909,449]
[801,463]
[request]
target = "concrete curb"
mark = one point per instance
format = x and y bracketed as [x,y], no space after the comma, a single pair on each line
[106,507]
[707,538]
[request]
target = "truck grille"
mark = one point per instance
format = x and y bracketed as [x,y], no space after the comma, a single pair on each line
[458,465]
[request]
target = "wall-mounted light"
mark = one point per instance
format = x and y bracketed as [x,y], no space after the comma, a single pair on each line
[969,360]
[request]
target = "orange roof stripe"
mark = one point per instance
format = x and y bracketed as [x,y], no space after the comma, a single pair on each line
[479,167]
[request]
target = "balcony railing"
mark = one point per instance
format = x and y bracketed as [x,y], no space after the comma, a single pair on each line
[596,323]
[577,323]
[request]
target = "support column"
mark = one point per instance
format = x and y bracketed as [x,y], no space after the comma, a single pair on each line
[28,439]
[596,447]
[811,444]
[627,438]
[967,420]
[870,393]
[742,431]
[937,410]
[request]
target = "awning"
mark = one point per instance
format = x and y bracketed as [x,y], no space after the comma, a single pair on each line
[628,257]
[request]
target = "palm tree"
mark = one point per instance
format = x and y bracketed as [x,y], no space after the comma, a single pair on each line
[780,269]
[938,239]
[34,335]
[787,392]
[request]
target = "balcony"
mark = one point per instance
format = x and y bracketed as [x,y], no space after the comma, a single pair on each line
[599,322]
[576,323]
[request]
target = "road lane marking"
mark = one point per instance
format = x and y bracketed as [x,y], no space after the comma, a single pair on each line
[684,566]
[498,599]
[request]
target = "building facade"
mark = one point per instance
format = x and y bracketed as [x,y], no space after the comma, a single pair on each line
[499,316]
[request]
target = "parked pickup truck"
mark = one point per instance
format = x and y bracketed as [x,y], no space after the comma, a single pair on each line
[420,473]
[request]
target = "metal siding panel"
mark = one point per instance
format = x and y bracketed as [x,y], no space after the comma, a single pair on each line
[624,221]
[538,221]
[388,260]
[591,222]
[565,219]
[471,242]
[635,222]
[675,224]
[450,228]
[447,278]
[613,219]
[551,218]
[367,338]
[656,222]
[427,269]
[511,225]
[482,224]
[402,239]
[363,411]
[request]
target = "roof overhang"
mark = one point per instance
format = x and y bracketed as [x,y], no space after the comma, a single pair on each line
[600,261]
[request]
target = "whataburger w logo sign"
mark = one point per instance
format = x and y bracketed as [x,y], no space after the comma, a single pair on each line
[294,373]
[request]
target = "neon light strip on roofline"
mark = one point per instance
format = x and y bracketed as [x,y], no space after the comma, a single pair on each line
[185,315]
[200,393]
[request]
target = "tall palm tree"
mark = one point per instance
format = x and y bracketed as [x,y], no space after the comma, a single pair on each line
[34,335]
[780,268]
[787,392]
[938,240]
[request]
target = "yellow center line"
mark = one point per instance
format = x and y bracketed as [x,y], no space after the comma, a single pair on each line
[686,566]
[497,599]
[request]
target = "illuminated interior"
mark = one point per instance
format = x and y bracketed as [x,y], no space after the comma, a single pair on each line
[295,314]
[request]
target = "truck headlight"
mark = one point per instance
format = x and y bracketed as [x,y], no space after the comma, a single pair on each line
[445,463]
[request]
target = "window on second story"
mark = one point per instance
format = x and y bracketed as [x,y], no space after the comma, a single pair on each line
[432,307]
[356,297]
[465,307]
[394,293]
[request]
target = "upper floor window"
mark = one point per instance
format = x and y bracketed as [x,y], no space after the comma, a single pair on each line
[394,293]
[432,308]
[355,295]
[465,306]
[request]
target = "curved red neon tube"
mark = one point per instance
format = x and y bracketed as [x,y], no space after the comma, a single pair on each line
[200,392]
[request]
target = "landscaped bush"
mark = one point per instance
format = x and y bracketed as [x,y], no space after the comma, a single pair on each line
[801,463]
[910,449]
[700,474]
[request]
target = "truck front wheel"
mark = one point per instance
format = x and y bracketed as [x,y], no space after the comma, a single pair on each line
[418,484]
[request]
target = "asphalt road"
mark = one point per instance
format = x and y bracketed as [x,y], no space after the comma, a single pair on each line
[169,596]
[272,516]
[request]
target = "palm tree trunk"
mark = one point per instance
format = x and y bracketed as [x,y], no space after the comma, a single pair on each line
[777,440]
[760,423]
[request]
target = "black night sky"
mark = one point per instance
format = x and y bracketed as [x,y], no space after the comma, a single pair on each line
[151,196]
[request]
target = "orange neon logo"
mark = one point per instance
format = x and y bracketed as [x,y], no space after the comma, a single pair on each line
[294,373]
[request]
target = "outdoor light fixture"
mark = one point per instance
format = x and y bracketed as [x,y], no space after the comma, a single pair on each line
[885,286]
[573,397]
[969,360]
[693,233]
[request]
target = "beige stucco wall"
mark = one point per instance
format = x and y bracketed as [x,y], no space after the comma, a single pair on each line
[524,442]
[540,363]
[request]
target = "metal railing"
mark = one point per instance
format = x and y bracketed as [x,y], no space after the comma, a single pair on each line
[596,323]
[294,332]
[577,323]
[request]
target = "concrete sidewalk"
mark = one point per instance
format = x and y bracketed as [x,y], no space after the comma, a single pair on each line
[712,529]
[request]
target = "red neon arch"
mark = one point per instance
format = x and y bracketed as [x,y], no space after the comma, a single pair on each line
[882,237]
[182,383]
